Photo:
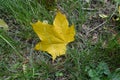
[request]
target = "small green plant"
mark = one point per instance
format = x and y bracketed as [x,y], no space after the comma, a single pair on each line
[102,72]
[115,75]
[99,72]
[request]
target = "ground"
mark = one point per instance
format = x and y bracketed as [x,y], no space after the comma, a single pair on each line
[94,55]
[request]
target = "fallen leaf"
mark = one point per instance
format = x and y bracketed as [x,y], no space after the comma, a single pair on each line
[115,18]
[103,15]
[54,38]
[119,9]
[3,25]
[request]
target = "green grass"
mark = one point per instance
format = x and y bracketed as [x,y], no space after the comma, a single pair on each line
[82,59]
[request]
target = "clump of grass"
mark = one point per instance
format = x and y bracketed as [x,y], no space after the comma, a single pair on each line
[26,11]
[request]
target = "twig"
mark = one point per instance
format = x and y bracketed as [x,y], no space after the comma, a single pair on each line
[88,9]
[96,27]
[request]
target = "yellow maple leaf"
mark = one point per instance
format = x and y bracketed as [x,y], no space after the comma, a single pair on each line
[54,38]
[119,9]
